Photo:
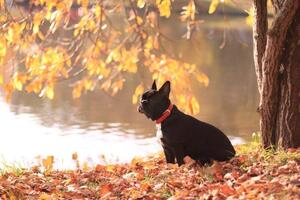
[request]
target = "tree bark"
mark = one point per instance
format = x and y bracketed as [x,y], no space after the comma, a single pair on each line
[278,73]
[260,28]
[288,120]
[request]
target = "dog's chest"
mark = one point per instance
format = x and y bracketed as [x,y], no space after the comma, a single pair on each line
[159,134]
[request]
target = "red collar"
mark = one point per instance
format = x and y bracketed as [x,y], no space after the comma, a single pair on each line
[165,114]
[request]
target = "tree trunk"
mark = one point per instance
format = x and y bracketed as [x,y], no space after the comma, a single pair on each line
[278,73]
[288,119]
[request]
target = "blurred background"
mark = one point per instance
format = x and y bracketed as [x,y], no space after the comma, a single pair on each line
[106,129]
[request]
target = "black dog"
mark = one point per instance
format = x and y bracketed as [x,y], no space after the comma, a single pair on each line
[183,135]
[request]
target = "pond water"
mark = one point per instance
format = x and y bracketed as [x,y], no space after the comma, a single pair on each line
[105,129]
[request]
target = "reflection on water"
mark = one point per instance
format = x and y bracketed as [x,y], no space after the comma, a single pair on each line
[23,138]
[98,124]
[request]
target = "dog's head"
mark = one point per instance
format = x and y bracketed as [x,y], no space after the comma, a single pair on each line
[154,102]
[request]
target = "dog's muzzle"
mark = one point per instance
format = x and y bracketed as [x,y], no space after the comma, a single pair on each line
[140,109]
[141,106]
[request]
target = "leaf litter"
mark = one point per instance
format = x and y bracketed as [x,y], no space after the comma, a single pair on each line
[253,174]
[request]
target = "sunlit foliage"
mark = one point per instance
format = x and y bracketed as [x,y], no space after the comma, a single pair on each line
[95,44]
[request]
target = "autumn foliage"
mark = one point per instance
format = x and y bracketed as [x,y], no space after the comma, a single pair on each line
[253,174]
[95,44]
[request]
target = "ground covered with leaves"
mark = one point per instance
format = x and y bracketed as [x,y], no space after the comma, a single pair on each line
[252,174]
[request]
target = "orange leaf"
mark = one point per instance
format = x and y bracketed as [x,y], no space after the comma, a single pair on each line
[45,196]
[77,90]
[48,162]
[227,190]
[105,189]
[2,4]
[145,187]
[99,168]
[74,156]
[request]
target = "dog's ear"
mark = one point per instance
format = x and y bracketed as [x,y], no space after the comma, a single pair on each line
[165,89]
[154,85]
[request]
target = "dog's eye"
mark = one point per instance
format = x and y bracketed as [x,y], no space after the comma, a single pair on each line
[144,101]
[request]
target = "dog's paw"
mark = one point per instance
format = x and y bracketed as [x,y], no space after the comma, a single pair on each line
[188,162]
[172,166]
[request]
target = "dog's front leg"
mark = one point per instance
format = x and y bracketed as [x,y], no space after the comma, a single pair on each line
[179,153]
[169,155]
[170,158]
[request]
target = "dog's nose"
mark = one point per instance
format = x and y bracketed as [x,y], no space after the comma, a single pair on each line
[140,109]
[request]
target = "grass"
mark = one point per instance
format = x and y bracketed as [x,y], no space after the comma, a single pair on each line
[6,167]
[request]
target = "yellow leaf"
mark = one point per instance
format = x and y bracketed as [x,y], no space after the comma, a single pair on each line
[141,3]
[48,162]
[194,106]
[2,47]
[97,10]
[18,81]
[76,32]
[10,35]
[164,7]
[139,20]
[106,85]
[77,90]
[189,11]
[250,17]
[1,79]
[110,168]
[113,56]
[18,85]
[37,19]
[91,25]
[41,35]
[202,78]
[50,92]
[138,92]
[85,166]
[45,196]
[3,17]
[213,6]
[116,86]
[68,62]
[64,72]
[88,84]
